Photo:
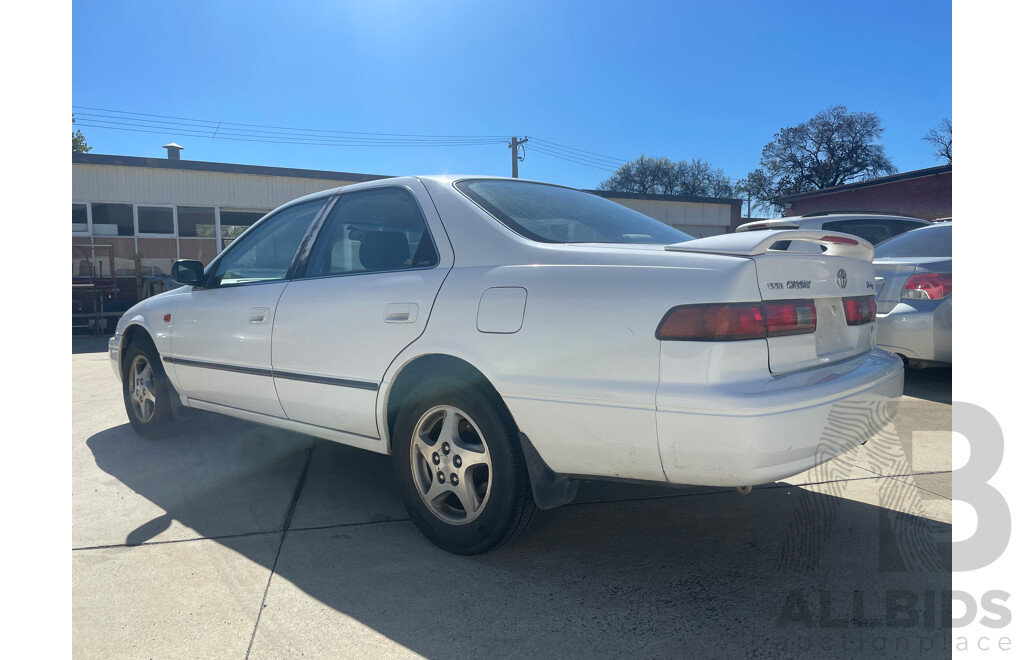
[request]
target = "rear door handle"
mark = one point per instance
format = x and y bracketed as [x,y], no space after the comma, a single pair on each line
[401,313]
[259,314]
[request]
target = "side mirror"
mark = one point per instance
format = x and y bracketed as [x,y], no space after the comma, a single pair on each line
[187,271]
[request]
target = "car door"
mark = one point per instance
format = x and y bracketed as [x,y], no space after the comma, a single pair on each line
[220,333]
[365,294]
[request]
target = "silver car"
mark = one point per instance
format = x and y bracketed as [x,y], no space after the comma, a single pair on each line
[914,295]
[875,227]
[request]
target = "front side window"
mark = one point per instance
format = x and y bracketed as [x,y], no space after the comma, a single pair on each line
[372,231]
[552,214]
[266,253]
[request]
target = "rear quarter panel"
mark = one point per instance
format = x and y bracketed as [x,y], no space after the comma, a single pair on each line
[581,375]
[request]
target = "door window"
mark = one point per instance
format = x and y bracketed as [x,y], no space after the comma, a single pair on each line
[372,231]
[266,253]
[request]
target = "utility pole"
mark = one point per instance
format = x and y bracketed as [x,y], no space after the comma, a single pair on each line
[514,146]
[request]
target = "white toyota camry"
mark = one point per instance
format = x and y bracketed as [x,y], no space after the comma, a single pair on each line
[502,339]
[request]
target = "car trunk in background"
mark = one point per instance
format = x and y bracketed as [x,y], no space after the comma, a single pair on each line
[831,280]
[891,277]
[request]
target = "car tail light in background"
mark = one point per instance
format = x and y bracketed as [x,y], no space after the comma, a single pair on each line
[737,321]
[841,240]
[928,286]
[859,310]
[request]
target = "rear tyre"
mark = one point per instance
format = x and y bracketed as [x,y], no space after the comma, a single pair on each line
[460,468]
[147,392]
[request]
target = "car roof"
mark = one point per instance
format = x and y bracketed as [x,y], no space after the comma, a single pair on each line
[403,180]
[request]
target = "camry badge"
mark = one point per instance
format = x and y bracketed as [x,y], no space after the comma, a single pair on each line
[841,278]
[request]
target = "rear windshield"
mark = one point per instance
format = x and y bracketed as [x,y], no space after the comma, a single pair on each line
[934,241]
[551,214]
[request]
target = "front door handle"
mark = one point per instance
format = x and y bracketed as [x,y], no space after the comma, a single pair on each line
[400,313]
[259,314]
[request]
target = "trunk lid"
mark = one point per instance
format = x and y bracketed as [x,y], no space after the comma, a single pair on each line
[891,275]
[842,270]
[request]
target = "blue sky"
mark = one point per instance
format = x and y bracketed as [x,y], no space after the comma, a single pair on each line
[675,79]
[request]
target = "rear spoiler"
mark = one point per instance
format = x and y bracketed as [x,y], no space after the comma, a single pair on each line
[750,244]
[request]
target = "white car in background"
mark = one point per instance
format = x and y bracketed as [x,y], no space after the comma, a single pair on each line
[502,339]
[914,295]
[873,227]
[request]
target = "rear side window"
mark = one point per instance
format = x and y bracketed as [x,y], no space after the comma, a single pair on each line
[372,231]
[552,214]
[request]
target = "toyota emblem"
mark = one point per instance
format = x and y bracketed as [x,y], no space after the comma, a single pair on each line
[841,278]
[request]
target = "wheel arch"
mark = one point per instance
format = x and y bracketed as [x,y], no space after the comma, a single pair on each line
[134,333]
[426,367]
[549,489]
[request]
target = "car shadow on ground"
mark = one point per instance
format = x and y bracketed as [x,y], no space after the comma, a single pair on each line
[648,572]
[89,344]
[933,384]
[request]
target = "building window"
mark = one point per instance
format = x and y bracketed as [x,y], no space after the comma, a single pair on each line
[197,222]
[233,223]
[113,220]
[79,219]
[156,220]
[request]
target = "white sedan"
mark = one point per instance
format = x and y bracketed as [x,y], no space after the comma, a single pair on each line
[502,339]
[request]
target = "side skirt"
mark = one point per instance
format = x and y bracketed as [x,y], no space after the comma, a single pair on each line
[351,439]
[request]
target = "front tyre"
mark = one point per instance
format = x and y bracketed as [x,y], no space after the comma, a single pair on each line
[147,393]
[460,468]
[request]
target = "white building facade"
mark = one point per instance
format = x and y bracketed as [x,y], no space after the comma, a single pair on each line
[133,217]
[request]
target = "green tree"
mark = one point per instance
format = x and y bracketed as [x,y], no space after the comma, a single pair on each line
[78,143]
[942,139]
[661,176]
[835,147]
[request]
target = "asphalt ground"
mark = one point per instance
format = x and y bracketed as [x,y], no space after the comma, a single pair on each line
[237,541]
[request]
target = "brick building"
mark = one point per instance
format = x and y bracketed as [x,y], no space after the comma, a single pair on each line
[926,194]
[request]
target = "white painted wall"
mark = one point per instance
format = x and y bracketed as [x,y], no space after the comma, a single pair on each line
[145,185]
[698,219]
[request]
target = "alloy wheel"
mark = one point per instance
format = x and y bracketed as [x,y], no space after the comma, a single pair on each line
[142,391]
[451,465]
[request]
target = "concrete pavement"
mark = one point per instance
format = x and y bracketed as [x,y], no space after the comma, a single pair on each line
[236,541]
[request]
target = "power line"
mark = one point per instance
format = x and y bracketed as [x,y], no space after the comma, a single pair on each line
[561,147]
[553,154]
[285,128]
[142,128]
[211,131]
[140,122]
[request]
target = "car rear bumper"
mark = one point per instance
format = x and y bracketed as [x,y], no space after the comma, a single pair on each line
[753,433]
[918,329]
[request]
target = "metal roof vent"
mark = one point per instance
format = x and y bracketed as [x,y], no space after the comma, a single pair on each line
[173,151]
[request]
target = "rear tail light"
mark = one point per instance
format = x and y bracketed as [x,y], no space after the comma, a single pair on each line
[859,310]
[928,286]
[790,317]
[737,321]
